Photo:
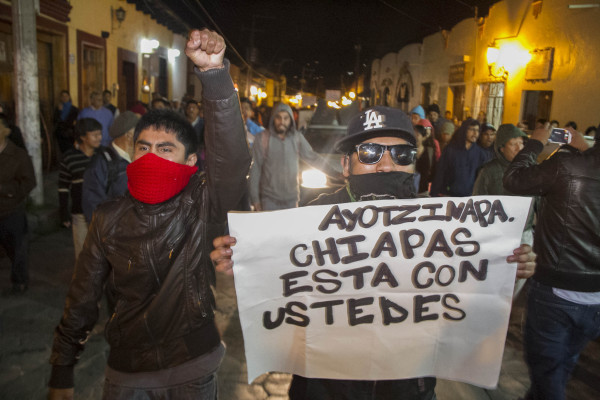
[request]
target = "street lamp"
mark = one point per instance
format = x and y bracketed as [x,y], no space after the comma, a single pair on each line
[495,69]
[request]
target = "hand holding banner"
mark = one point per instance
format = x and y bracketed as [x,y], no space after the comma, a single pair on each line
[389,289]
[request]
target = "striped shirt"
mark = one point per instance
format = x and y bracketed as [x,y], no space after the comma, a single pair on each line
[70,180]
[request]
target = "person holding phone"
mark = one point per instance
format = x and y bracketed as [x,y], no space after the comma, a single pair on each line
[563,306]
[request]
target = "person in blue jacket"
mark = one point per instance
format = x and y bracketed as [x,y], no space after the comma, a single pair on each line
[460,161]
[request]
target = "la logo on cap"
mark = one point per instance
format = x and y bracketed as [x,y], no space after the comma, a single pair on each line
[373,120]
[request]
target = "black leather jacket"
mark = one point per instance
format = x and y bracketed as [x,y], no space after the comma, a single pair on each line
[567,236]
[154,258]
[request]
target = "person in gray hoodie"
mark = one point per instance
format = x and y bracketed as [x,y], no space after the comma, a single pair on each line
[276,161]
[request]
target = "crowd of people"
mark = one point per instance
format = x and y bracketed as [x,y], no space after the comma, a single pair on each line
[146,193]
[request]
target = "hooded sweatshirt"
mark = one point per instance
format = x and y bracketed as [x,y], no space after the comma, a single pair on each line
[276,162]
[419,111]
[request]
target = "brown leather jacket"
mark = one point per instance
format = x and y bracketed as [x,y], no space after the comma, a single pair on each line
[154,258]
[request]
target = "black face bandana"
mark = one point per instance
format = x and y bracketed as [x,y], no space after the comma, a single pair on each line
[382,185]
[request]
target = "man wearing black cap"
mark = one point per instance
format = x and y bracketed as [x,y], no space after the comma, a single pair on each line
[106,177]
[378,163]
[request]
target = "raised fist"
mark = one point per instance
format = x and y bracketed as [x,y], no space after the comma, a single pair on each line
[206,49]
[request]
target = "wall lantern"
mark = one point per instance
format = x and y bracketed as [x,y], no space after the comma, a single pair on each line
[120,15]
[496,70]
[508,58]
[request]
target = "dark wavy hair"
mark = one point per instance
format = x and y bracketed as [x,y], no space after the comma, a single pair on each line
[171,122]
[85,125]
[460,136]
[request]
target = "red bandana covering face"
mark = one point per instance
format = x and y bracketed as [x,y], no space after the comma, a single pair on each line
[152,179]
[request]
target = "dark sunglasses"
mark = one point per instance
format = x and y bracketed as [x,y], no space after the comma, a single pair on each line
[371,153]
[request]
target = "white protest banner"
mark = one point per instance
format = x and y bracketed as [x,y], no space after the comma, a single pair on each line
[387,289]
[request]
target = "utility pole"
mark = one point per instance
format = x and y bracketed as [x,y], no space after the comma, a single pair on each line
[357,48]
[26,86]
[251,54]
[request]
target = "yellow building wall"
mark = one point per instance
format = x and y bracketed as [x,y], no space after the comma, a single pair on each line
[574,34]
[575,78]
[93,17]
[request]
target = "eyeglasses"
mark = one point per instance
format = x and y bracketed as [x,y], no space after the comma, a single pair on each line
[371,153]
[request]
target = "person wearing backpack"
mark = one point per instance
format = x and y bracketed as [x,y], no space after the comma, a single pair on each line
[276,160]
[106,177]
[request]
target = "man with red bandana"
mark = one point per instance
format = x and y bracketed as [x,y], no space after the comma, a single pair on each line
[151,247]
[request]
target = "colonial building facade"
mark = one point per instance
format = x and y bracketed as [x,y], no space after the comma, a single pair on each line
[523,61]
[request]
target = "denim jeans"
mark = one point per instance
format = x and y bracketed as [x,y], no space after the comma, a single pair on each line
[555,333]
[203,389]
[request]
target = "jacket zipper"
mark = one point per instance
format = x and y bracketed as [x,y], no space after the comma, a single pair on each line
[149,252]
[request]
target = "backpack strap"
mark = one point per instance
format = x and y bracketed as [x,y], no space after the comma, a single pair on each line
[264,142]
[112,163]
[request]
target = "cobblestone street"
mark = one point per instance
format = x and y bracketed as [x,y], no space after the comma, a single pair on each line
[27,323]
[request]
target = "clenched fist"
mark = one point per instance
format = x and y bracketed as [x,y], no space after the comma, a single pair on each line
[206,49]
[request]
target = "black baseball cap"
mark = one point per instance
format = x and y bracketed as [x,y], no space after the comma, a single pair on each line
[377,121]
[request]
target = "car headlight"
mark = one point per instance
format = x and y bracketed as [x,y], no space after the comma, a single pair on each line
[314,179]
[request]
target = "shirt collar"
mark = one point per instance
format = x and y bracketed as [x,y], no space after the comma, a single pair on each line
[122,153]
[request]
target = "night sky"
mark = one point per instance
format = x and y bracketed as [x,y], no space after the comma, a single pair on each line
[319,36]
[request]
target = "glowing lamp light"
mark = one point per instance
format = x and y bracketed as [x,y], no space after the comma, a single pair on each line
[262,95]
[172,54]
[352,95]
[492,54]
[346,101]
[513,56]
[506,59]
[148,45]
[314,179]
[253,90]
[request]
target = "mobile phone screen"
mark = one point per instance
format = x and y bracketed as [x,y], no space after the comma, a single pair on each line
[560,135]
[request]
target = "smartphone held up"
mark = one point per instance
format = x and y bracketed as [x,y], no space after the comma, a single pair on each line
[560,136]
